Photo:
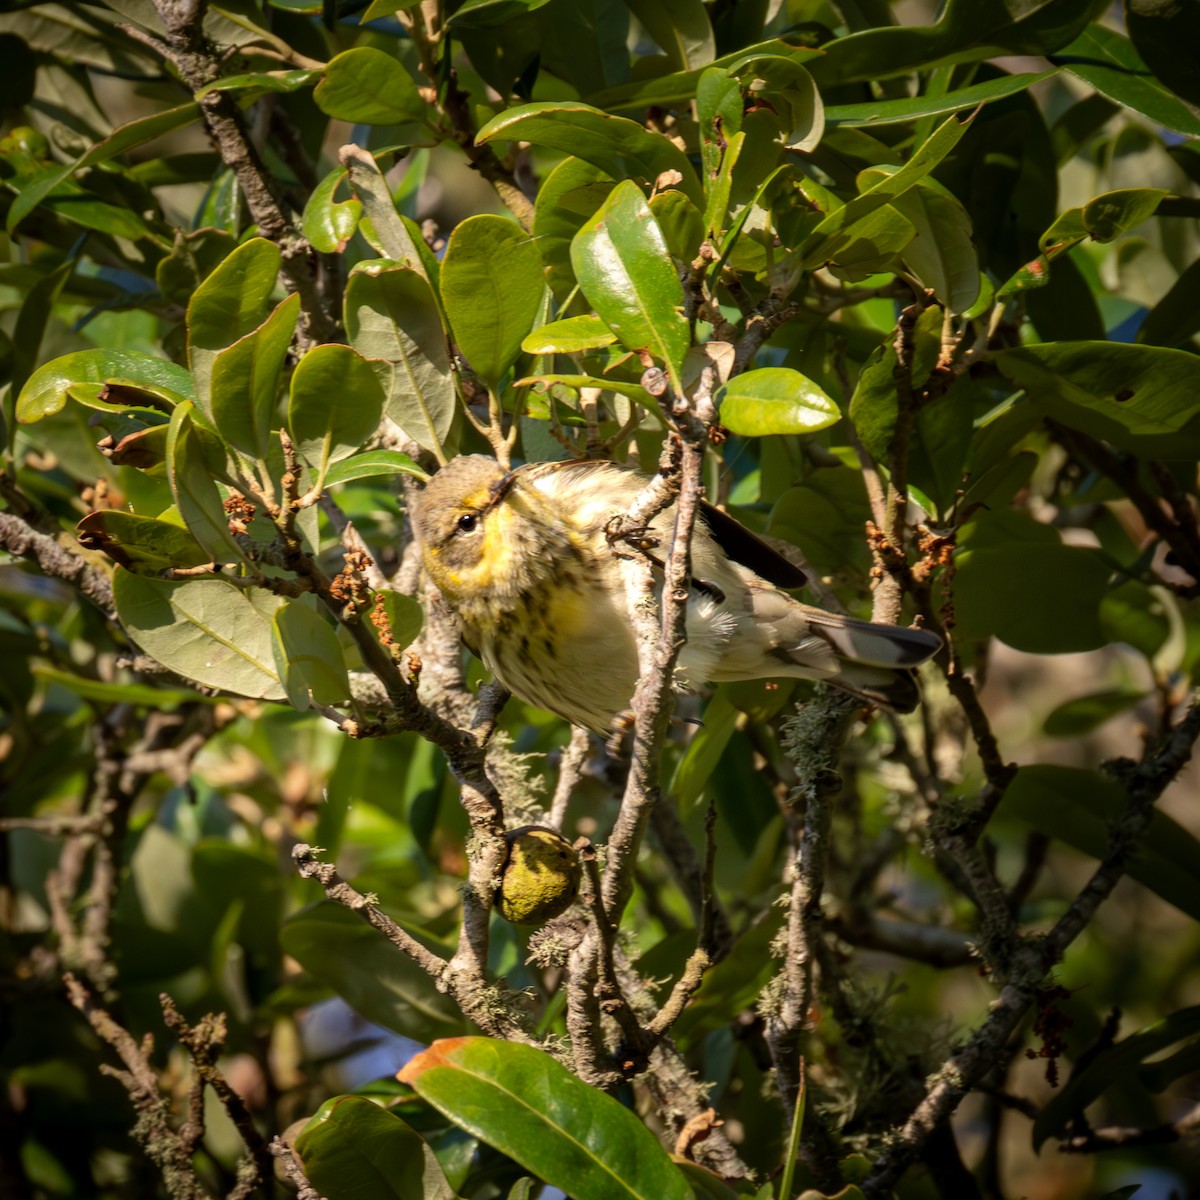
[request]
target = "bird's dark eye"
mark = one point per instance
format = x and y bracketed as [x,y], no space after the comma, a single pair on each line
[467,523]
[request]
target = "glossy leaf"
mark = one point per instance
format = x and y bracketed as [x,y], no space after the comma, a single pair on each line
[378,981]
[135,133]
[570,194]
[245,380]
[229,304]
[486,14]
[894,112]
[965,31]
[382,225]
[838,226]
[621,262]
[569,336]
[208,630]
[353,1147]
[45,391]
[680,27]
[391,314]
[1164,36]
[941,253]
[191,478]
[492,286]
[335,405]
[308,656]
[1107,61]
[372,464]
[774,400]
[142,544]
[531,1108]
[681,223]
[634,391]
[679,87]
[1139,397]
[369,87]
[619,147]
[328,223]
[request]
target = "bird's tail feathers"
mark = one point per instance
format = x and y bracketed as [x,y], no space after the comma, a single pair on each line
[875,645]
[893,689]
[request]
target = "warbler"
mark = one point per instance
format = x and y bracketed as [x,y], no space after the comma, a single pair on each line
[524,557]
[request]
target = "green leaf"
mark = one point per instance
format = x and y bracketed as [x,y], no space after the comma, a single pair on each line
[1044,599]
[873,406]
[1108,216]
[308,657]
[824,516]
[377,980]
[838,226]
[259,83]
[390,233]
[1112,1066]
[191,478]
[485,14]
[1175,319]
[704,751]
[141,694]
[570,336]
[1080,808]
[621,261]
[354,1148]
[1136,615]
[679,88]
[22,349]
[680,27]
[965,31]
[492,287]
[371,464]
[941,255]
[1105,60]
[369,87]
[405,616]
[335,405]
[634,391]
[1085,713]
[775,400]
[570,194]
[621,148]
[207,630]
[681,223]
[45,391]
[135,133]
[1142,398]
[531,1108]
[229,304]
[391,314]
[328,223]
[893,112]
[245,380]
[1164,35]
[142,544]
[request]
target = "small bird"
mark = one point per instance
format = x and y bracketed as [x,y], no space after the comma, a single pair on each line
[524,558]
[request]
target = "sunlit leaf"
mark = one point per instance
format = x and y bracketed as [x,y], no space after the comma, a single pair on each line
[530,1107]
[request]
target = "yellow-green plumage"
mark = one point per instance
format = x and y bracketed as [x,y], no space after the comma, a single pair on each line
[524,560]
